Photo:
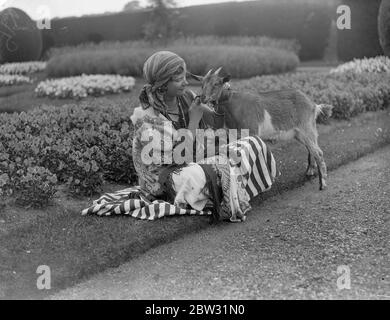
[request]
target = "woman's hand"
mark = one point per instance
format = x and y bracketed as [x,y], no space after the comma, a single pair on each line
[196,111]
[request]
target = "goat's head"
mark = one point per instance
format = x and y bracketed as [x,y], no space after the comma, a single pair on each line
[212,86]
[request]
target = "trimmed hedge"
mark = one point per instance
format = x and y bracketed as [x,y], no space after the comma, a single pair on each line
[384,26]
[362,40]
[242,62]
[242,41]
[306,21]
[20,39]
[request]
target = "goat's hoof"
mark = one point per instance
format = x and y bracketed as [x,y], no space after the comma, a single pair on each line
[323,186]
[310,173]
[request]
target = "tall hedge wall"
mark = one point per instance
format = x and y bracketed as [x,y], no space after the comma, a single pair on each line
[384,26]
[362,40]
[307,21]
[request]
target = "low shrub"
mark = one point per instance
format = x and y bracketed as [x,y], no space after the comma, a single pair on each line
[6,188]
[80,145]
[86,176]
[208,40]
[35,187]
[350,94]
[242,62]
[376,65]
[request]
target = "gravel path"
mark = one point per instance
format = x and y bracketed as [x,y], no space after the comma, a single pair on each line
[290,247]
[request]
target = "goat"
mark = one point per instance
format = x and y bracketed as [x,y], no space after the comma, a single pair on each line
[273,115]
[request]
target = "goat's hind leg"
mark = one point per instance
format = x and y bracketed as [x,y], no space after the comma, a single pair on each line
[311,165]
[316,153]
[311,162]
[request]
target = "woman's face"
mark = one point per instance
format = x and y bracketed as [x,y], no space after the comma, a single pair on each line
[176,86]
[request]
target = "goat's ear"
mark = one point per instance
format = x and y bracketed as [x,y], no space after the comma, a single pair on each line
[194,76]
[226,79]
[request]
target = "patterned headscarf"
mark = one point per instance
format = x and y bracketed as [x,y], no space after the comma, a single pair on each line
[158,70]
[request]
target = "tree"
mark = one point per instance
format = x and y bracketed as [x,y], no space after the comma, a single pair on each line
[162,24]
[132,6]
[384,26]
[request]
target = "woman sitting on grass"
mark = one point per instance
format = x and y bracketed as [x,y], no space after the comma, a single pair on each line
[221,185]
[165,99]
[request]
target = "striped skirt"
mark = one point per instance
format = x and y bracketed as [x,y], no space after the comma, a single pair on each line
[246,168]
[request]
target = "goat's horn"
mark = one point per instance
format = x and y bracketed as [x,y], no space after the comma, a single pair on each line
[208,73]
[217,71]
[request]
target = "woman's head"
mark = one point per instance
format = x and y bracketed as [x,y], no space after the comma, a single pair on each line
[166,72]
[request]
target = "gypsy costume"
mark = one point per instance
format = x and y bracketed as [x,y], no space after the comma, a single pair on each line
[221,185]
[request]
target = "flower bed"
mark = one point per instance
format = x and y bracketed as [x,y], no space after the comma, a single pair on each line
[84,85]
[75,145]
[23,67]
[10,80]
[378,64]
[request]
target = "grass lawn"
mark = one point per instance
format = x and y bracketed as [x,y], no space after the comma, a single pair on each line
[75,247]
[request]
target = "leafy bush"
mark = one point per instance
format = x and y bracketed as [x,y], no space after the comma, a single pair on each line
[242,62]
[10,80]
[350,94]
[306,21]
[21,40]
[6,188]
[81,145]
[22,67]
[86,175]
[35,187]
[377,65]
[82,86]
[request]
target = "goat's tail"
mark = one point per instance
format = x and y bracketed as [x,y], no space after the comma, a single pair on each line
[325,110]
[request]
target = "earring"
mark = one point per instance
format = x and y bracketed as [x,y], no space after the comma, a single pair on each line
[162,89]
